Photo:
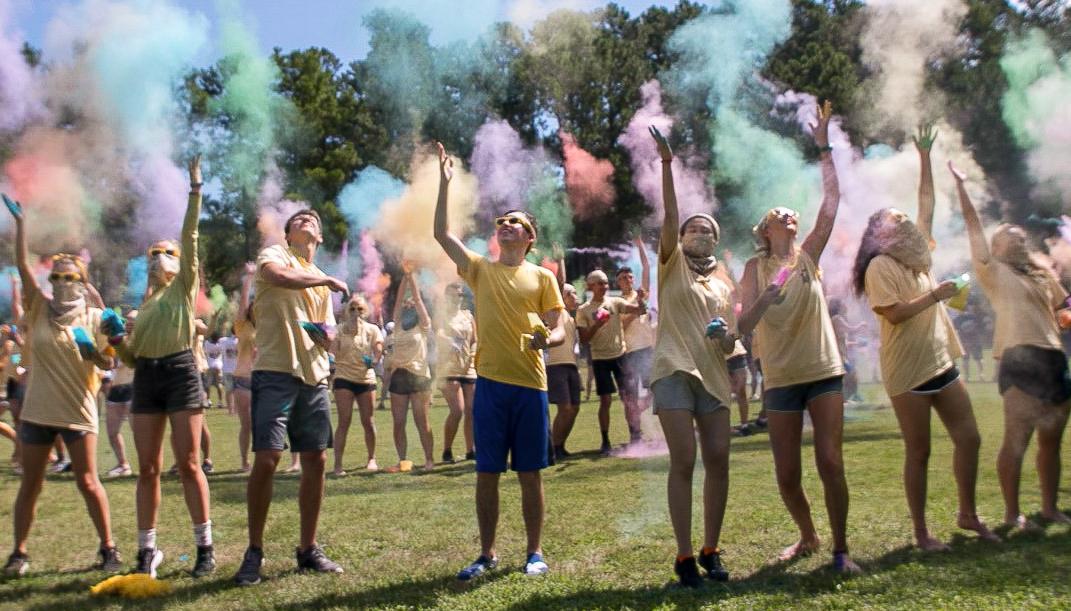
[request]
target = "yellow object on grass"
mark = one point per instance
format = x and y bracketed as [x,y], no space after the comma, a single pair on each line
[134,585]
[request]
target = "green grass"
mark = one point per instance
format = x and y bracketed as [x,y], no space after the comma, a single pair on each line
[402,537]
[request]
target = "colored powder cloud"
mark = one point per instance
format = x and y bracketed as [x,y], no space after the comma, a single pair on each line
[361,199]
[587,179]
[20,101]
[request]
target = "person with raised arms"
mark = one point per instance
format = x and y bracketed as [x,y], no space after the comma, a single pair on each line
[1032,377]
[295,325]
[358,346]
[639,337]
[510,412]
[893,268]
[784,303]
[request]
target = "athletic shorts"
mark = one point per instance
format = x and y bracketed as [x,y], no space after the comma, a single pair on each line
[405,382]
[15,390]
[243,383]
[120,393]
[461,379]
[228,381]
[510,421]
[1039,372]
[167,385]
[213,377]
[681,390]
[563,384]
[356,388]
[736,363]
[41,435]
[606,371]
[795,397]
[285,408]
[637,365]
[937,383]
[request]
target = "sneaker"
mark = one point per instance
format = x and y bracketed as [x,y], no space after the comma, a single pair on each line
[207,467]
[149,560]
[120,471]
[743,430]
[535,565]
[61,466]
[844,565]
[478,568]
[688,572]
[314,559]
[206,561]
[711,562]
[448,456]
[606,449]
[470,455]
[249,572]
[17,564]
[108,560]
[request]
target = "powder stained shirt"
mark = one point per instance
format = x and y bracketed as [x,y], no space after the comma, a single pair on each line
[1024,305]
[356,340]
[609,341]
[456,340]
[564,353]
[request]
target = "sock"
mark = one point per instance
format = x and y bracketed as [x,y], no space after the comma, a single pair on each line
[683,558]
[606,437]
[147,539]
[709,550]
[202,534]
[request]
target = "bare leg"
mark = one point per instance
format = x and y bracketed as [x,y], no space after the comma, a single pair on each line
[533,506]
[258,493]
[1050,436]
[149,444]
[468,391]
[680,438]
[83,453]
[344,402]
[786,431]
[452,392]
[311,495]
[827,414]
[421,402]
[116,414]
[604,413]
[738,381]
[714,442]
[399,405]
[34,464]
[1019,411]
[487,510]
[206,440]
[366,407]
[953,406]
[242,399]
[187,427]
[563,422]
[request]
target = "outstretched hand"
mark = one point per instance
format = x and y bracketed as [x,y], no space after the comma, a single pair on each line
[446,164]
[820,127]
[194,168]
[663,145]
[250,268]
[958,173]
[13,206]
[925,138]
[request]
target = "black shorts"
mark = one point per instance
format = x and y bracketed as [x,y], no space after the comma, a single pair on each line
[637,365]
[563,384]
[285,408]
[606,371]
[120,393]
[795,397]
[356,388]
[242,383]
[167,385]
[461,380]
[736,363]
[938,382]
[1039,372]
[41,435]
[15,390]
[405,382]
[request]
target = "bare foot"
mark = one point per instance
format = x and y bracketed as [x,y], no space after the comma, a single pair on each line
[372,465]
[971,522]
[430,464]
[930,544]
[1024,524]
[339,472]
[245,469]
[292,468]
[799,549]
[1056,516]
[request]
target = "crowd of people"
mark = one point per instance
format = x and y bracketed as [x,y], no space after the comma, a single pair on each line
[500,363]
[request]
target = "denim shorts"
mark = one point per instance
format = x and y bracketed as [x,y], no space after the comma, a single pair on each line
[681,390]
[795,397]
[285,408]
[166,385]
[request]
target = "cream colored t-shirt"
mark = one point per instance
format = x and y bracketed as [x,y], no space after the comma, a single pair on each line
[609,341]
[246,334]
[411,350]
[62,388]
[356,340]
[505,296]
[794,338]
[1025,306]
[688,302]
[456,340]
[564,353]
[919,348]
[639,333]
[283,346]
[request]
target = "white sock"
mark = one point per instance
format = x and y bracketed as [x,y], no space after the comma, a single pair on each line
[202,533]
[147,539]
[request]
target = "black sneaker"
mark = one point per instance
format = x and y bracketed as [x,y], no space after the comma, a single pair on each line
[206,561]
[149,559]
[108,560]
[470,455]
[712,563]
[688,572]
[314,559]
[17,564]
[606,449]
[448,456]
[249,573]
[744,430]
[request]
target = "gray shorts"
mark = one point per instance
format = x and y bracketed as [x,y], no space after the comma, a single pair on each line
[284,407]
[41,435]
[682,390]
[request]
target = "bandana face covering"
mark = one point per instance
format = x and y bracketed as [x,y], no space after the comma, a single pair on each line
[162,266]
[910,247]
[698,248]
[67,303]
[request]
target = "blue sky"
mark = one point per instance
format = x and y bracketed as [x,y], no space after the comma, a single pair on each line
[334,24]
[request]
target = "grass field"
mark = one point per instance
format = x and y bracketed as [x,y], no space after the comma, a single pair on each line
[402,537]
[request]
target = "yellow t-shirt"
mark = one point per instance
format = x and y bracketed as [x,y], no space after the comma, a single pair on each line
[564,353]
[282,345]
[918,348]
[164,325]
[505,296]
[795,338]
[609,341]
[356,340]
[246,334]
[687,303]
[639,333]
[456,341]
[411,350]
[1025,306]
[62,388]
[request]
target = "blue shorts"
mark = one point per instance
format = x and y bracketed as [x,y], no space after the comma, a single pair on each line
[509,420]
[794,398]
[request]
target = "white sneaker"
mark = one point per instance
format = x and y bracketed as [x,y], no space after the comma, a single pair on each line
[61,466]
[120,471]
[535,565]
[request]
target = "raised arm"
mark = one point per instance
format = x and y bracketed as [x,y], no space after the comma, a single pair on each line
[188,257]
[22,253]
[422,310]
[668,240]
[923,143]
[559,257]
[645,274]
[399,299]
[979,247]
[816,241]
[453,246]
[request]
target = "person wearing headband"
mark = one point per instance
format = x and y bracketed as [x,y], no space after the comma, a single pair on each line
[783,302]
[893,268]
[518,314]
[410,378]
[1033,376]
[69,342]
[456,342]
[358,346]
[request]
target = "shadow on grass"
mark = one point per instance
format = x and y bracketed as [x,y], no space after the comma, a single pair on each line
[198,589]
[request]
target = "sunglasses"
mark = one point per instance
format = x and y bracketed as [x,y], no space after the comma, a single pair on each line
[171,252]
[784,213]
[68,276]
[514,220]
